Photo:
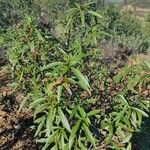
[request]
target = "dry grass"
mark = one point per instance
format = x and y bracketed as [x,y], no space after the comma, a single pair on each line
[140,12]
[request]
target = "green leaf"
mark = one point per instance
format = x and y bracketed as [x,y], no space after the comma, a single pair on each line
[36,102]
[43,140]
[64,120]
[82,112]
[140,111]
[129,147]
[134,119]
[80,76]
[50,140]
[62,143]
[117,78]
[40,108]
[124,100]
[82,80]
[84,86]
[32,46]
[63,132]
[146,66]
[59,91]
[51,65]
[93,113]
[39,35]
[38,120]
[55,147]
[49,122]
[40,126]
[89,134]
[73,133]
[95,14]
[127,139]
[139,120]
[24,102]
[82,147]
[67,87]
[82,18]
[120,115]
[68,24]
[110,135]
[72,11]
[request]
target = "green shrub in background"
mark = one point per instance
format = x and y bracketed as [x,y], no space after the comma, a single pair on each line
[128,25]
[7,14]
[146,31]
[125,30]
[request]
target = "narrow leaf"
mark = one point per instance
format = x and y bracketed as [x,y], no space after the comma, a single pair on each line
[51,65]
[124,100]
[50,140]
[82,79]
[127,139]
[73,134]
[64,119]
[82,18]
[23,103]
[43,140]
[93,113]
[36,102]
[40,126]
[89,134]
[95,14]
[140,111]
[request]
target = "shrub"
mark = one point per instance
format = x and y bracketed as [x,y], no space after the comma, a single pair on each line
[128,25]
[75,102]
[46,72]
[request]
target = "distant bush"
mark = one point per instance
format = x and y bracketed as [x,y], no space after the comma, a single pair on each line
[112,14]
[8,14]
[126,30]
[128,25]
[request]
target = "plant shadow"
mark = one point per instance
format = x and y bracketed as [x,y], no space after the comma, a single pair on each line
[141,140]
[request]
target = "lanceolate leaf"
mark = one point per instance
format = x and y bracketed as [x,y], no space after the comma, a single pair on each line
[49,122]
[82,18]
[129,147]
[64,119]
[84,86]
[59,92]
[127,139]
[95,14]
[89,134]
[43,140]
[124,100]
[82,79]
[140,111]
[40,126]
[81,144]
[36,102]
[50,140]
[82,112]
[93,113]
[23,102]
[80,76]
[51,65]
[40,108]
[67,87]
[64,134]
[73,134]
